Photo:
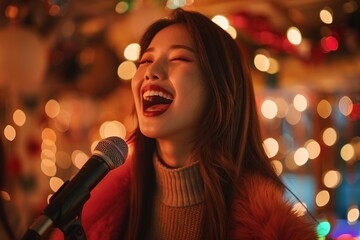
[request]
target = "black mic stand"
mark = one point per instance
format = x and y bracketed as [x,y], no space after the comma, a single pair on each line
[73,230]
[66,217]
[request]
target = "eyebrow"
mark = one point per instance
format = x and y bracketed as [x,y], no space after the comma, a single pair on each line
[176,46]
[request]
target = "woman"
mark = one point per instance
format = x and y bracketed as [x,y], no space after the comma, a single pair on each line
[198,168]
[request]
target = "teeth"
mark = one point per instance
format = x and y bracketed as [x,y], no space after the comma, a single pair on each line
[151,93]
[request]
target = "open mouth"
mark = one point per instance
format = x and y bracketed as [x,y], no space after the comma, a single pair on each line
[156,101]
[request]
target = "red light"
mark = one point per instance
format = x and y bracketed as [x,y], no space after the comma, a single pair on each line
[331,43]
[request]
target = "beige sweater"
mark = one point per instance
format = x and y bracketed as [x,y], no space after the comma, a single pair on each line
[179,203]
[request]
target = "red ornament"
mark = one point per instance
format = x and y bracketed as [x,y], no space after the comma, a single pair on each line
[14,166]
[33,147]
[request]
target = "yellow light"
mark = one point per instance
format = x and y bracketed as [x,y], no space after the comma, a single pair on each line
[301,156]
[112,128]
[19,117]
[132,51]
[79,158]
[345,105]
[332,179]
[273,66]
[294,35]
[55,183]
[48,134]
[269,109]
[126,70]
[221,20]
[313,148]
[300,103]
[322,198]
[271,147]
[277,166]
[232,31]
[324,109]
[353,215]
[329,136]
[326,15]
[48,167]
[347,152]
[9,133]
[261,62]
[52,108]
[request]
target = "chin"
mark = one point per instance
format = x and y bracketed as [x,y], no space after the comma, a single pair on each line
[149,132]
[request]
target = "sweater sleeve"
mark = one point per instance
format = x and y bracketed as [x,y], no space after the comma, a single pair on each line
[260,212]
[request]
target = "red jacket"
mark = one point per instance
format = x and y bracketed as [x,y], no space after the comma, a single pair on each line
[258,213]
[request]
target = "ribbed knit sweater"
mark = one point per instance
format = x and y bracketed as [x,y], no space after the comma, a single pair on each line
[179,203]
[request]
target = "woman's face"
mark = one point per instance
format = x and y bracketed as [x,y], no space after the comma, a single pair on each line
[168,87]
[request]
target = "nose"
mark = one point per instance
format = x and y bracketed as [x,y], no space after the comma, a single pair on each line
[155,70]
[151,76]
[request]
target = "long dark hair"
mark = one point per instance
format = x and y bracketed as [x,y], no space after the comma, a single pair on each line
[229,141]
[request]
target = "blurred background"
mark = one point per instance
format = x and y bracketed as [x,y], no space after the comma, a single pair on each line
[66,67]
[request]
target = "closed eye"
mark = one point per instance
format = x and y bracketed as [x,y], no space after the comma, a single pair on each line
[144,61]
[181,59]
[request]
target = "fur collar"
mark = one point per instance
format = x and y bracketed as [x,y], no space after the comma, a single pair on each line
[259,211]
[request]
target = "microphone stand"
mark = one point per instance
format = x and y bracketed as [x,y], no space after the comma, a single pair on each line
[73,230]
[66,217]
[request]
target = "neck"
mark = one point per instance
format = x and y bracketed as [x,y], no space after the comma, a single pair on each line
[174,155]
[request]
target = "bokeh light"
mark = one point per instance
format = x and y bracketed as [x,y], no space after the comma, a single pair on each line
[221,20]
[329,136]
[353,215]
[332,179]
[313,148]
[55,183]
[261,62]
[345,105]
[19,117]
[79,158]
[278,166]
[326,15]
[269,109]
[347,152]
[132,52]
[322,198]
[9,132]
[323,228]
[324,108]
[300,102]
[52,108]
[301,156]
[126,70]
[294,35]
[112,128]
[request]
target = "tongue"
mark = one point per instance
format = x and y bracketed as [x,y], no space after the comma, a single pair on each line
[157,103]
[157,108]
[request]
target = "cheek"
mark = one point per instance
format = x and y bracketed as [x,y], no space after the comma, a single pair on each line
[135,88]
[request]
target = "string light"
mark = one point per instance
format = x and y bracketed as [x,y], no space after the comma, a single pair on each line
[126,70]
[326,15]
[294,35]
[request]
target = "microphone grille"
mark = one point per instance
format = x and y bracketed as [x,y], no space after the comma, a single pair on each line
[113,150]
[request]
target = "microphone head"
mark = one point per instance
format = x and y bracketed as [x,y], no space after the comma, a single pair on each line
[113,150]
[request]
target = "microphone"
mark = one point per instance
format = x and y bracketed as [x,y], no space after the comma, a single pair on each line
[66,204]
